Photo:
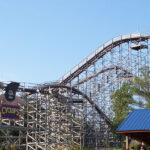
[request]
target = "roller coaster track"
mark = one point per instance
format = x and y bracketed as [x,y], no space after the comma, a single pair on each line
[108,121]
[79,102]
[102,71]
[99,53]
[45,90]
[83,65]
[91,59]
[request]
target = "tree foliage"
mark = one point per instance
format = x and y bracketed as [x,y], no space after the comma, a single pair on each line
[140,86]
[122,105]
[122,100]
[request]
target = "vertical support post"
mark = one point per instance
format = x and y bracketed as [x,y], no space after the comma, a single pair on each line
[127,142]
[27,119]
[46,122]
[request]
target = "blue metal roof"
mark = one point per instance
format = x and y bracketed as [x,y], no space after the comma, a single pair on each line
[137,120]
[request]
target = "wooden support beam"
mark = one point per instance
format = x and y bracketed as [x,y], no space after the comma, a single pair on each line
[127,143]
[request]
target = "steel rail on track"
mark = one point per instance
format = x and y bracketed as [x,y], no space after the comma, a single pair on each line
[74,90]
[98,53]
[102,71]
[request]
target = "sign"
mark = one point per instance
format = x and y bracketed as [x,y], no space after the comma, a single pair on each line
[10,102]
[10,111]
[10,93]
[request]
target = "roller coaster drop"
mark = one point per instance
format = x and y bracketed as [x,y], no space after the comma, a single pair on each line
[76,110]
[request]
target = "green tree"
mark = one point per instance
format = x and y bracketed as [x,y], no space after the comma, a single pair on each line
[122,102]
[140,87]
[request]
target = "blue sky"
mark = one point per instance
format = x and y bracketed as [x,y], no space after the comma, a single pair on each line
[40,40]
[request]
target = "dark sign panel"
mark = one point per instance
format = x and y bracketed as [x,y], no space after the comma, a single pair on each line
[10,111]
[10,93]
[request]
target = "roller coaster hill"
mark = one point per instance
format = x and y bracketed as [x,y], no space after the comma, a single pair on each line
[76,110]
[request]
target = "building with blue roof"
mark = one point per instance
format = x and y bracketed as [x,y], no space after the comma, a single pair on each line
[137,126]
